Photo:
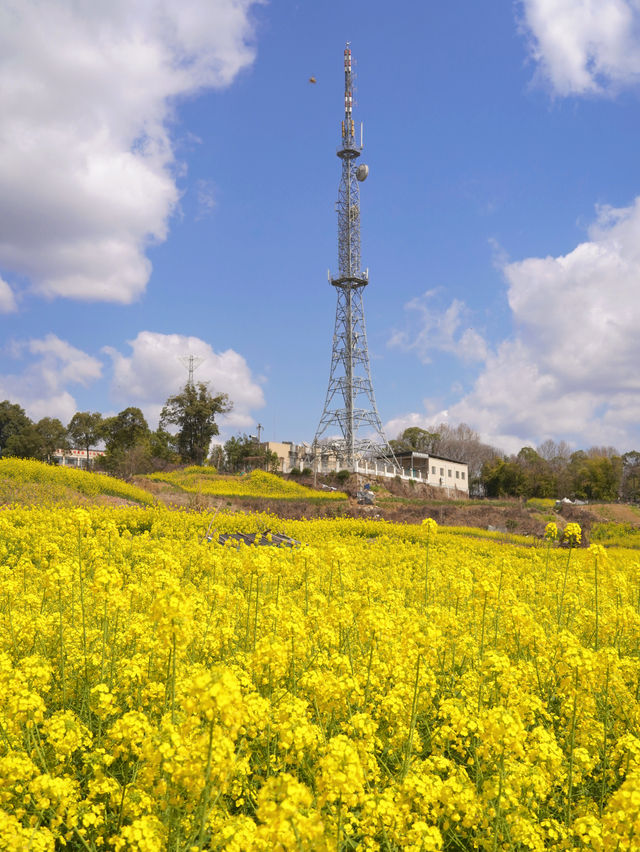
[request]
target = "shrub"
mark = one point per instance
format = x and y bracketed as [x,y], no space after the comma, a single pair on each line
[343,475]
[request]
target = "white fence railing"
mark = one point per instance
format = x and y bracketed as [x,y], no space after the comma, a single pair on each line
[379,469]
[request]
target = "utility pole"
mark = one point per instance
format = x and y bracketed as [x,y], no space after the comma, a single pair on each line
[350,403]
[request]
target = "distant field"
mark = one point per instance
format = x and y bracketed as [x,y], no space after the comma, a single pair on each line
[30,482]
[257,484]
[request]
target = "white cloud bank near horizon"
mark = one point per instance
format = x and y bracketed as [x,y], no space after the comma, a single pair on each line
[87,164]
[570,371]
[42,386]
[584,47]
[145,377]
[153,372]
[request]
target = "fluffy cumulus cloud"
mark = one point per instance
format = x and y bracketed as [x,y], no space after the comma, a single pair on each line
[86,157]
[155,369]
[45,369]
[429,330]
[571,369]
[585,46]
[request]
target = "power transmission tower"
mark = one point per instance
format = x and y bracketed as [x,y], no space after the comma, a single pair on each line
[191,362]
[350,406]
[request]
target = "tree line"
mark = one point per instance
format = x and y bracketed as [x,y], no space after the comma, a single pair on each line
[552,470]
[130,446]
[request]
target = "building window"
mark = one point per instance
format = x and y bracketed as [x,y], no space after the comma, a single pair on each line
[441,471]
[457,474]
[449,472]
[462,474]
[433,469]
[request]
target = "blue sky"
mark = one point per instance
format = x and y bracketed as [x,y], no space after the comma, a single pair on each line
[167,187]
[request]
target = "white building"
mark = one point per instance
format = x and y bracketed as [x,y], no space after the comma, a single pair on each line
[436,471]
[75,458]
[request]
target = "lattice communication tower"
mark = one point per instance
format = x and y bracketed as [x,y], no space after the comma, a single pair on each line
[350,406]
[191,363]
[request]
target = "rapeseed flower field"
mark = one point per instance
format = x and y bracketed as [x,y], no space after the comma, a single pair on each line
[257,484]
[31,481]
[380,687]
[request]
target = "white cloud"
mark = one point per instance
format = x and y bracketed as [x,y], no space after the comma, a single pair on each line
[206,198]
[40,387]
[585,46]
[153,372]
[430,330]
[86,158]
[571,370]
[7,298]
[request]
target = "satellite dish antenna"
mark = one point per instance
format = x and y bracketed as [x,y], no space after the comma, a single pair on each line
[362,172]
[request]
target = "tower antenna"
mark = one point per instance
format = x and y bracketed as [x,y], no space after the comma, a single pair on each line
[191,362]
[350,405]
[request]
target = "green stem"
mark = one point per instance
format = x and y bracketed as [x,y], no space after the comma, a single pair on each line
[571,748]
[412,723]
[207,788]
[173,677]
[597,614]
[426,578]
[564,586]
[61,634]
[82,609]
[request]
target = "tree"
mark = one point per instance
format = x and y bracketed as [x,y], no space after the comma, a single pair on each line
[630,486]
[125,430]
[161,447]
[85,430]
[245,453]
[502,478]
[12,420]
[537,477]
[53,436]
[26,444]
[194,411]
[417,440]
[595,477]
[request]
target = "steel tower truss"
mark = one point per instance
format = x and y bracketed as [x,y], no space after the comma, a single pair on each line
[350,405]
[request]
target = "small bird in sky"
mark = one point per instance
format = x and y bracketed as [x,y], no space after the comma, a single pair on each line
[312,80]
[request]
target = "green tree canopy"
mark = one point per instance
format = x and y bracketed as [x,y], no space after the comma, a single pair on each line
[13,419]
[85,430]
[53,436]
[125,430]
[416,439]
[630,486]
[26,444]
[502,478]
[242,452]
[194,411]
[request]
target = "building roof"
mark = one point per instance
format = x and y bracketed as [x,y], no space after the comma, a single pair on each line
[407,453]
